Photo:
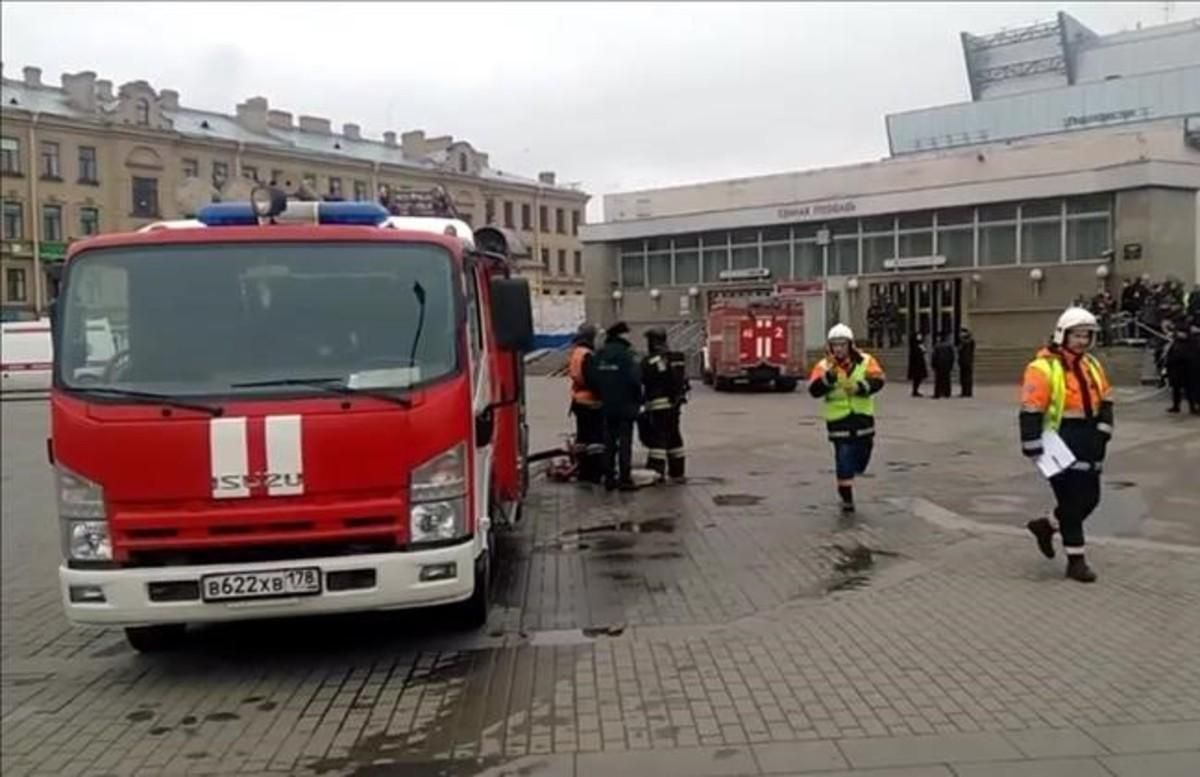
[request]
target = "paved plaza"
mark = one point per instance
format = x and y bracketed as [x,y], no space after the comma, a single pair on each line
[737,625]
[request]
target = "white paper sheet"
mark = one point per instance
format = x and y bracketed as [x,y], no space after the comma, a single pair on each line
[1056,456]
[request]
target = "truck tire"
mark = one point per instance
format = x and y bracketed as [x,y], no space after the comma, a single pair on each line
[159,638]
[785,385]
[473,613]
[722,384]
[706,378]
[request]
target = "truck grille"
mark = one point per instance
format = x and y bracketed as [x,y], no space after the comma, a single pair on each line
[244,554]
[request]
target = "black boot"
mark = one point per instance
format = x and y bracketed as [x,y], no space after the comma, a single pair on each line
[1078,569]
[1043,532]
[847,495]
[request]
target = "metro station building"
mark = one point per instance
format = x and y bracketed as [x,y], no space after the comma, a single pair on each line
[1075,165]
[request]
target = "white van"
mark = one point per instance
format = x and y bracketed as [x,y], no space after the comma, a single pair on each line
[26,354]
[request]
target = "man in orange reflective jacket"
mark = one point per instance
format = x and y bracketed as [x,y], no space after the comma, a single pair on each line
[1066,391]
[585,406]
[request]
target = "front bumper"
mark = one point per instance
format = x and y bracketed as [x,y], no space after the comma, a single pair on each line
[397,585]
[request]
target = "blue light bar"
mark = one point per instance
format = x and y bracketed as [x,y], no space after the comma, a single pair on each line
[241,214]
[227,214]
[367,214]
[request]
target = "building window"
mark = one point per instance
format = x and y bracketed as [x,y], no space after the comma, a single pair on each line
[997,234]
[10,156]
[360,191]
[575,223]
[562,262]
[145,197]
[560,221]
[14,221]
[633,270]
[52,226]
[508,214]
[845,252]
[191,168]
[489,211]
[546,259]
[956,236]
[143,112]
[1089,227]
[526,217]
[658,269]
[14,282]
[89,169]
[578,263]
[220,174]
[335,187]
[462,163]
[777,257]
[51,167]
[543,219]
[89,221]
[250,173]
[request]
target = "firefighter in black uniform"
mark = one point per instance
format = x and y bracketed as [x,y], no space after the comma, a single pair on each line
[614,373]
[665,385]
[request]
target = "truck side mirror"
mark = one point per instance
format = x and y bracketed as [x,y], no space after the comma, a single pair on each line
[512,314]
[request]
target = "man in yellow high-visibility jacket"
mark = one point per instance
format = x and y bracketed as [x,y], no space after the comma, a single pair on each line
[1066,391]
[847,379]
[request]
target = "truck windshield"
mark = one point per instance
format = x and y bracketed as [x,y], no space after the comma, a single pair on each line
[238,319]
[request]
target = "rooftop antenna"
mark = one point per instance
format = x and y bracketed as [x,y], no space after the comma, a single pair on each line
[1168,9]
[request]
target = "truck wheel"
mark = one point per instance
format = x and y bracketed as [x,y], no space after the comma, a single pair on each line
[156,639]
[473,613]
[706,378]
[722,384]
[785,385]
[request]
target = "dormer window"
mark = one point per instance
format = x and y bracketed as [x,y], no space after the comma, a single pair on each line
[143,112]
[462,163]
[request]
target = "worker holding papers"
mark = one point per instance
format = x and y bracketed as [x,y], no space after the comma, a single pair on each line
[1066,421]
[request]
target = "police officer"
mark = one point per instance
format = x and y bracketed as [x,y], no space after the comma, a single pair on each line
[847,379]
[665,385]
[585,406]
[616,377]
[1066,391]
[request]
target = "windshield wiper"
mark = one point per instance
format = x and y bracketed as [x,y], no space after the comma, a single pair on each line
[332,385]
[151,397]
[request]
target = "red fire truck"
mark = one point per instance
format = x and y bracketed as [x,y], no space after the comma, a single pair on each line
[313,407]
[755,341]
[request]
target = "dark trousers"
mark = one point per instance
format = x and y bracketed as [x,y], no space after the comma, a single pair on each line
[851,457]
[875,335]
[966,376]
[589,442]
[666,454]
[618,449]
[1077,494]
[1177,377]
[941,383]
[916,384]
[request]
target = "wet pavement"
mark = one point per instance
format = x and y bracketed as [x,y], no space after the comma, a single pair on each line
[738,624]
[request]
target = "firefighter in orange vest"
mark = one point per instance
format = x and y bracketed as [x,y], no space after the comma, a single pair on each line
[585,406]
[847,379]
[1066,391]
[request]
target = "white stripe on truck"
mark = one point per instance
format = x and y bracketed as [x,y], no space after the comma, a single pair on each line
[230,456]
[284,456]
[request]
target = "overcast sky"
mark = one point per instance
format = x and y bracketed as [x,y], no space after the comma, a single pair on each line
[614,96]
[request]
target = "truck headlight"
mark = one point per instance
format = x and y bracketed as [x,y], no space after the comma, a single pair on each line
[437,494]
[84,524]
[88,541]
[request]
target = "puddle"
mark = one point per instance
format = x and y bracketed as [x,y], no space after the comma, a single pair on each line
[1120,485]
[222,717]
[158,731]
[736,500]
[666,555]
[139,716]
[852,566]
[573,637]
[663,524]
[705,480]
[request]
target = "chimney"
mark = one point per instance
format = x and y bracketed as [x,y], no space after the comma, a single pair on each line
[440,143]
[253,114]
[81,90]
[413,143]
[279,119]
[352,131]
[33,76]
[389,139]
[316,125]
[104,90]
[547,178]
[168,99]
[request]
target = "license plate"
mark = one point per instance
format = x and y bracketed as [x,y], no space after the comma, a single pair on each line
[261,585]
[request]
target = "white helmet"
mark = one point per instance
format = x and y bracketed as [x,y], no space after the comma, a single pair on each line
[1073,318]
[841,332]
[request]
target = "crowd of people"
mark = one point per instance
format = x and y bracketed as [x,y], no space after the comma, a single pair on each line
[943,359]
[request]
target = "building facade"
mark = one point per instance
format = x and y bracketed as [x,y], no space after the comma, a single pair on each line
[996,235]
[79,159]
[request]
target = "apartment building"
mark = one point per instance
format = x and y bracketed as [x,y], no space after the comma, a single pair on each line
[82,158]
